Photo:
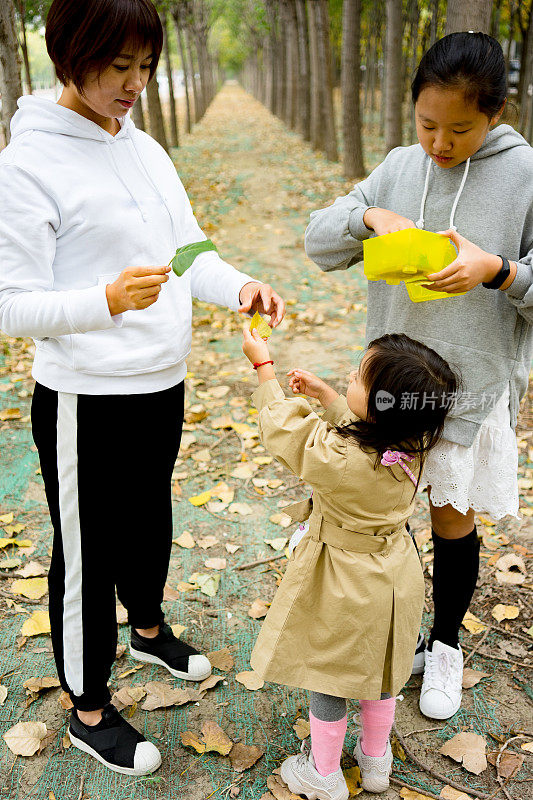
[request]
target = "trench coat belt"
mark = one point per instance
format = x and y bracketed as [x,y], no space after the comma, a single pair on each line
[343,538]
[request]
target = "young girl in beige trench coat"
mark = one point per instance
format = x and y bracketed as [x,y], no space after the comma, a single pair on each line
[345,620]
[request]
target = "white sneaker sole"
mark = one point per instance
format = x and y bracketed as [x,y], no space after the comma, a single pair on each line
[437,715]
[296,787]
[147,658]
[123,770]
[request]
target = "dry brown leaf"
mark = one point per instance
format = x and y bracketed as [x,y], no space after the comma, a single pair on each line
[215,563]
[258,609]
[202,456]
[250,679]
[161,695]
[169,593]
[65,701]
[245,470]
[206,542]
[302,728]
[185,540]
[467,748]
[24,738]
[511,569]
[510,763]
[224,492]
[34,588]
[31,570]
[528,746]
[281,519]
[352,776]
[195,413]
[178,629]
[210,682]
[473,623]
[222,422]
[221,659]
[277,544]
[191,739]
[449,793]
[122,614]
[279,789]
[471,677]
[3,694]
[187,439]
[216,740]
[243,756]
[127,696]
[410,794]
[501,612]
[232,548]
[34,686]
[243,509]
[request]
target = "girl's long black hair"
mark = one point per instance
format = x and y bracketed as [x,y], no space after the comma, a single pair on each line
[411,389]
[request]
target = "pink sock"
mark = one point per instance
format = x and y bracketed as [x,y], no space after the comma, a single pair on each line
[377,717]
[327,739]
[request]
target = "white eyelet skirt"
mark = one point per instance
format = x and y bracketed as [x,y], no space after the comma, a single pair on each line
[484,476]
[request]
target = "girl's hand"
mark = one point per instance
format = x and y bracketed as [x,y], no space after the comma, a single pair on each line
[135,288]
[303,382]
[261,297]
[382,221]
[254,348]
[471,267]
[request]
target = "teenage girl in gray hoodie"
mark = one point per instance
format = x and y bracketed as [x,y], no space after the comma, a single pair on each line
[474,182]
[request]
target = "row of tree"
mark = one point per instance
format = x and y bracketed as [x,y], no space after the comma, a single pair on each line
[188,47]
[301,50]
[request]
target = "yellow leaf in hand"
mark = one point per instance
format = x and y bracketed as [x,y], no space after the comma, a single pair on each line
[263,328]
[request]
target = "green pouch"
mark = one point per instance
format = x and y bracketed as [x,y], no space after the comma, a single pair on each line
[185,255]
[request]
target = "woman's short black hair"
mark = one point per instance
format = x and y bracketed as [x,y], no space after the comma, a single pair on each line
[86,36]
[411,389]
[472,62]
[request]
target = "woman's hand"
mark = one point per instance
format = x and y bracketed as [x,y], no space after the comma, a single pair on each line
[471,267]
[303,382]
[135,288]
[382,221]
[254,347]
[261,297]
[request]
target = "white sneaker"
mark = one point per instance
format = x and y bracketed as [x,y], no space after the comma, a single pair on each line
[301,776]
[420,656]
[375,770]
[441,693]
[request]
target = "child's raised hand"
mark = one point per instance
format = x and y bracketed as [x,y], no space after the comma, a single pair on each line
[254,347]
[303,382]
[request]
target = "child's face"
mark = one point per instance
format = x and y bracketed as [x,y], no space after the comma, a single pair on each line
[449,129]
[124,79]
[356,394]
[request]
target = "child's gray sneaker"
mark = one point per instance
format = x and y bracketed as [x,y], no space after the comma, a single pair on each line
[301,776]
[420,656]
[375,770]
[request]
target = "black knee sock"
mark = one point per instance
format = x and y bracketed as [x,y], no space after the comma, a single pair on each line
[455,571]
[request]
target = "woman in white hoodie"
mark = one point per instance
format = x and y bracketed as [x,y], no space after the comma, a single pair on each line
[88,205]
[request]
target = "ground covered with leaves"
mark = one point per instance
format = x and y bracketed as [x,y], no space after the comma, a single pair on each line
[252,185]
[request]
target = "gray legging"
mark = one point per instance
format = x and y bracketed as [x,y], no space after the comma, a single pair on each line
[328,708]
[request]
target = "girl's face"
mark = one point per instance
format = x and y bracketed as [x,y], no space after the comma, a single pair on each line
[449,129]
[357,394]
[123,80]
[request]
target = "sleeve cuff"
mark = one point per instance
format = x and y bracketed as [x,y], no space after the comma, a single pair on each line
[337,410]
[87,310]
[356,226]
[269,390]
[521,283]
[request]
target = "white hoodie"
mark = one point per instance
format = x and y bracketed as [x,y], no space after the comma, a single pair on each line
[77,206]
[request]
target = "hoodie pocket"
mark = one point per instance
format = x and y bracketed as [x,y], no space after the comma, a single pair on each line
[148,340]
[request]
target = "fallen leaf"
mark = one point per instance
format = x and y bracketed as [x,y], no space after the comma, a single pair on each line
[224,492]
[31,570]
[183,586]
[218,391]
[24,738]
[215,563]
[263,328]
[471,677]
[511,569]
[3,694]
[240,508]
[397,749]
[250,679]
[6,414]
[130,671]
[18,542]
[222,422]
[161,695]
[258,609]
[216,740]
[122,614]
[38,623]
[302,728]
[178,629]
[209,683]
[187,439]
[449,793]
[11,530]
[195,413]
[206,542]
[34,686]
[528,746]
[203,456]
[208,584]
[185,540]
[169,593]
[473,623]
[221,659]
[243,756]
[216,506]
[34,588]
[279,789]
[510,763]
[410,794]
[352,777]
[10,563]
[127,696]
[281,519]
[277,544]
[190,739]
[65,741]
[501,612]
[467,748]
[244,470]
[7,519]
[232,548]
[200,499]
[65,701]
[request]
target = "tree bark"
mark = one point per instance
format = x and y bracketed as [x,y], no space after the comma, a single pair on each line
[184,65]
[317,129]
[292,63]
[24,45]
[198,112]
[415,16]
[138,115]
[474,15]
[324,57]
[526,94]
[353,165]
[434,22]
[11,84]
[174,137]
[304,83]
[393,76]
[155,113]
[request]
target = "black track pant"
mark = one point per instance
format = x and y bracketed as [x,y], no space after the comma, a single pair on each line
[106,462]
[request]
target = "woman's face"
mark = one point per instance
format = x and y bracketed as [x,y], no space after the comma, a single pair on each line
[449,129]
[123,80]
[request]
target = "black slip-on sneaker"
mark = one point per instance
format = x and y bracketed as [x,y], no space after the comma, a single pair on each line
[181,660]
[115,743]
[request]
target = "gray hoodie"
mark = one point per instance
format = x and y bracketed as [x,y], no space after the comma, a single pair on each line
[486,334]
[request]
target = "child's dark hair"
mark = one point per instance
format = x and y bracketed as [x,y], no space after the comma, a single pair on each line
[410,391]
[472,62]
[83,37]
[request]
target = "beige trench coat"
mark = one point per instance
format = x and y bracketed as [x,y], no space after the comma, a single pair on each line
[346,617]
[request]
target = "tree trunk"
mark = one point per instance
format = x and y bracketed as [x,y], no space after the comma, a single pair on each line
[274,49]
[11,84]
[184,65]
[293,76]
[304,82]
[198,113]
[350,79]
[324,56]
[282,86]
[317,129]
[434,22]
[393,76]
[415,16]
[155,113]
[174,138]
[138,115]
[495,23]
[24,44]
[526,78]
[473,15]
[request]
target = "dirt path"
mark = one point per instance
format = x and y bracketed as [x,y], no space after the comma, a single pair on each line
[252,185]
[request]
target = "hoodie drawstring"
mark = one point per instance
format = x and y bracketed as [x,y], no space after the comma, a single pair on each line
[420,221]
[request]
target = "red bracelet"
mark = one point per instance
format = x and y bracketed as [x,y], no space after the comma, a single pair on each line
[262,364]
